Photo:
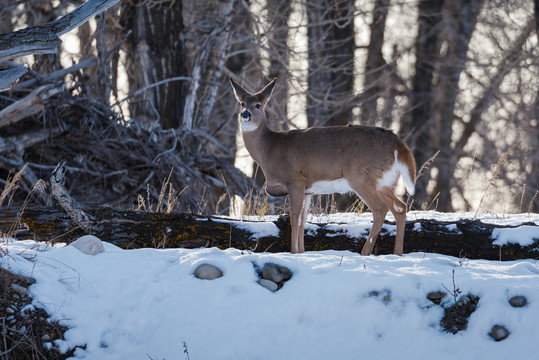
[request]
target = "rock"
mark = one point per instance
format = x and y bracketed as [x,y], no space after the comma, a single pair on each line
[89,245]
[276,273]
[208,272]
[499,332]
[9,310]
[436,296]
[384,294]
[46,338]
[268,284]
[518,301]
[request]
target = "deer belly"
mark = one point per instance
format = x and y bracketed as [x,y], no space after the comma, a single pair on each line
[340,186]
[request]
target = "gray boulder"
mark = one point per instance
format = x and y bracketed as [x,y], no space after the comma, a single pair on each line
[518,301]
[276,273]
[208,272]
[268,284]
[436,296]
[89,245]
[499,332]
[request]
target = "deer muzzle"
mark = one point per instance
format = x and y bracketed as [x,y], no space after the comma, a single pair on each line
[246,115]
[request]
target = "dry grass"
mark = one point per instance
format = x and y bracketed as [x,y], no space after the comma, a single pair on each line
[492,179]
[167,200]
[11,185]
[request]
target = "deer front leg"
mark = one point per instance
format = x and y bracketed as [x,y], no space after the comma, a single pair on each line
[303,218]
[297,197]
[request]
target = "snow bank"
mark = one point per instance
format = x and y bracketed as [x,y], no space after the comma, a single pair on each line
[136,304]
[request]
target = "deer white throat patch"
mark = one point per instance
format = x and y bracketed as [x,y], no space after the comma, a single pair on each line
[340,186]
[247,126]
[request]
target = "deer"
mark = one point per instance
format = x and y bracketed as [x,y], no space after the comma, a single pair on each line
[300,163]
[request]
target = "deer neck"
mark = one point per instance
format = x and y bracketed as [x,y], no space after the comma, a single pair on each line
[257,143]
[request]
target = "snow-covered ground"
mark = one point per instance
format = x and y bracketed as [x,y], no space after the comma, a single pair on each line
[146,303]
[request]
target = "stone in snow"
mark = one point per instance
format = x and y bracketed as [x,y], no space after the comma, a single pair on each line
[208,272]
[499,332]
[518,301]
[276,273]
[436,296]
[268,284]
[89,245]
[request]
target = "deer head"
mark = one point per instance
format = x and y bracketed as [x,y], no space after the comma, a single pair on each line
[252,113]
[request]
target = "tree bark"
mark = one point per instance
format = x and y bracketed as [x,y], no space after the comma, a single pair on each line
[44,39]
[422,124]
[375,66]
[279,13]
[331,61]
[156,52]
[461,19]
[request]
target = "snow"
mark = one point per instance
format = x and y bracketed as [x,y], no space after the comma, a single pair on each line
[144,303]
[523,235]
[258,228]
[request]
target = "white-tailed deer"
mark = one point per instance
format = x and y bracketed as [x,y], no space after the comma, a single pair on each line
[324,160]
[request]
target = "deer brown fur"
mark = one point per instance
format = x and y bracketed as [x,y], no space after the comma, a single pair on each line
[322,160]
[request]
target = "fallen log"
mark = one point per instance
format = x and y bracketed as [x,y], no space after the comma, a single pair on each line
[130,229]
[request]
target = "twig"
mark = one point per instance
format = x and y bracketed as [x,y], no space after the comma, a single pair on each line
[169,150]
[57,74]
[427,164]
[456,291]
[151,86]
[492,179]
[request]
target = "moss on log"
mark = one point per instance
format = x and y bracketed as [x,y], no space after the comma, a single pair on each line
[134,229]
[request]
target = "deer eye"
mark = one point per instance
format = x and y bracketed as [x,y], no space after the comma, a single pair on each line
[258,106]
[242,104]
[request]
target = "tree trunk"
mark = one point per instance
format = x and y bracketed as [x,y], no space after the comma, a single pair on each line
[422,121]
[156,52]
[461,18]
[331,61]
[375,66]
[278,15]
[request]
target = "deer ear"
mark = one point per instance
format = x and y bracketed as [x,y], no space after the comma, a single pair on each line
[265,93]
[239,92]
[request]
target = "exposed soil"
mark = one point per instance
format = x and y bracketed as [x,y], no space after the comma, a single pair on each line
[456,316]
[25,329]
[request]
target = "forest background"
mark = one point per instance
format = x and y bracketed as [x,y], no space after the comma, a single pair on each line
[137,100]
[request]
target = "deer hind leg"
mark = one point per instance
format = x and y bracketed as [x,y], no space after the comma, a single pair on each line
[379,211]
[378,215]
[398,209]
[297,198]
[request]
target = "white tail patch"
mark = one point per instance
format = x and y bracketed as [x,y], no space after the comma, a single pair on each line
[390,176]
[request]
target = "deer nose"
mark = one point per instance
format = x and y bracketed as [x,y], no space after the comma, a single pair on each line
[246,115]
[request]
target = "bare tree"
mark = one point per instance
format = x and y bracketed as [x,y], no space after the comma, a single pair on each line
[460,18]
[156,52]
[421,96]
[375,65]
[331,61]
